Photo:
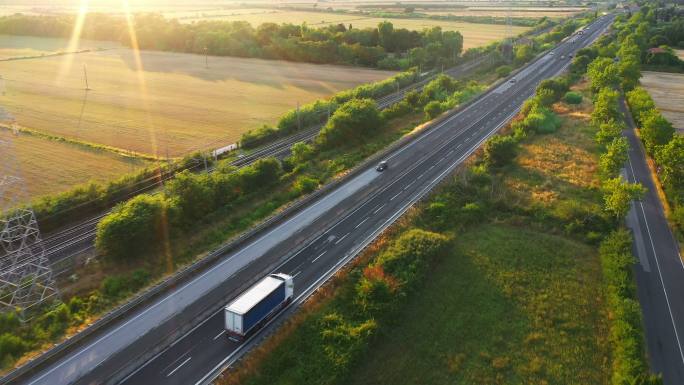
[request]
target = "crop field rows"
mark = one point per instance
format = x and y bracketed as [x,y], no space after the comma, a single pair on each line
[667,91]
[175,105]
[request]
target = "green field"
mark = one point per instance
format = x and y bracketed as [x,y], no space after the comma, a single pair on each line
[173,106]
[510,305]
[474,35]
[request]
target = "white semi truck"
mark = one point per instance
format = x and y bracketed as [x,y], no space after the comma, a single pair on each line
[253,308]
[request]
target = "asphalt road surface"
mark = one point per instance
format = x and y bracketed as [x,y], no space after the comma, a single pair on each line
[309,246]
[660,271]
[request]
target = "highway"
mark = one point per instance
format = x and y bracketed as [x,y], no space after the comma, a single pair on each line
[311,245]
[659,273]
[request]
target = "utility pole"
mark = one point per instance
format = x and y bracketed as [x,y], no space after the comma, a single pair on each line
[25,275]
[206,57]
[85,77]
[299,120]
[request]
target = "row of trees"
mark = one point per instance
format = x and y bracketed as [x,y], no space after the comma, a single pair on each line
[609,76]
[662,143]
[384,46]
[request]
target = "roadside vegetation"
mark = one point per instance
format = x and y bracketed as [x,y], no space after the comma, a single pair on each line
[143,239]
[650,27]
[529,272]
[146,238]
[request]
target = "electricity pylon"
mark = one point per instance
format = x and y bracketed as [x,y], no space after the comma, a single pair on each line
[25,275]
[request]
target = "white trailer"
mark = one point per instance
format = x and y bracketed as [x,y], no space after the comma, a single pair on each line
[253,308]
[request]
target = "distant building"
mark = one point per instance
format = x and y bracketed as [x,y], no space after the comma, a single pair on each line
[656,50]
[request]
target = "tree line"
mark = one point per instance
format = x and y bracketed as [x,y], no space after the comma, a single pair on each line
[383,47]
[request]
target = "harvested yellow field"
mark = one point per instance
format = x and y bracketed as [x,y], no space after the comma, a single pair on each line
[50,166]
[27,46]
[515,12]
[172,106]
[680,53]
[474,35]
[667,91]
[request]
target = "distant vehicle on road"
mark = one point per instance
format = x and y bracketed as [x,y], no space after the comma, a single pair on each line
[253,308]
[513,80]
[562,56]
[552,53]
[382,166]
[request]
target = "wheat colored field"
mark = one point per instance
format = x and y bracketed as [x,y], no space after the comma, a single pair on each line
[49,166]
[474,35]
[667,90]
[175,105]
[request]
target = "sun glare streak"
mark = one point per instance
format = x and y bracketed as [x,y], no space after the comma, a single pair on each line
[139,70]
[74,41]
[149,124]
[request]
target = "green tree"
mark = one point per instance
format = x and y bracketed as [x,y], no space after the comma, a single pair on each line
[617,195]
[432,109]
[523,54]
[606,107]
[655,130]
[351,123]
[503,71]
[192,194]
[572,97]
[608,131]
[613,159]
[133,227]
[452,42]
[670,158]
[386,35]
[500,150]
[603,73]
[630,72]
[639,103]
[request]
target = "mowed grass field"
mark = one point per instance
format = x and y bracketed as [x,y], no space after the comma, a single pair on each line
[667,91]
[50,166]
[474,35]
[173,106]
[509,306]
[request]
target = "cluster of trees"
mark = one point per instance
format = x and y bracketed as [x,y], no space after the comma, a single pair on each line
[338,336]
[57,210]
[384,46]
[664,145]
[645,29]
[617,193]
[317,112]
[143,224]
[536,117]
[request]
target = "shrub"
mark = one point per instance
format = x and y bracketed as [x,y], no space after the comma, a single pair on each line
[305,185]
[500,150]
[608,131]
[351,123]
[572,98]
[655,130]
[503,71]
[433,109]
[132,227]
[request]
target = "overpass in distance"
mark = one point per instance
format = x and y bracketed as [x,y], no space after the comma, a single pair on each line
[311,245]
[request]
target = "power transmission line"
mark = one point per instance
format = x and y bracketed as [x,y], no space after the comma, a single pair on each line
[25,276]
